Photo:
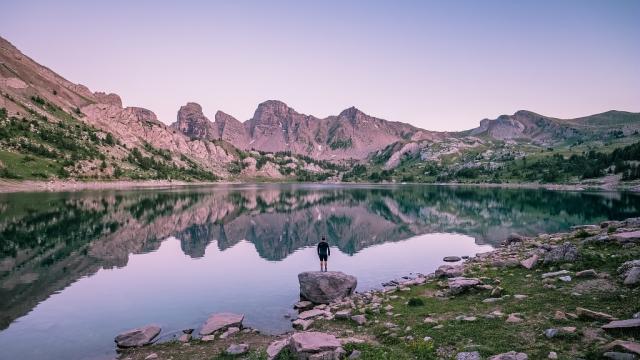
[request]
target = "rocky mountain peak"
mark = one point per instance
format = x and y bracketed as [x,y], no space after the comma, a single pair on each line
[192,122]
[272,108]
[352,113]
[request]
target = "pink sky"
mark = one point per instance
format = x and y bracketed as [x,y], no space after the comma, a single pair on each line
[437,65]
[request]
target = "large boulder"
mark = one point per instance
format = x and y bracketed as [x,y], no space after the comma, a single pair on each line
[137,337]
[326,287]
[630,272]
[221,321]
[566,252]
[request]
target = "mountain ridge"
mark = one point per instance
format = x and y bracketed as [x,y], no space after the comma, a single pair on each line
[51,127]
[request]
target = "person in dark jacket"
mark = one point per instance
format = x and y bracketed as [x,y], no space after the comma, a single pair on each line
[323,253]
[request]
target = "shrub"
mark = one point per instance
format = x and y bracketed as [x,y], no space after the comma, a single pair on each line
[414,301]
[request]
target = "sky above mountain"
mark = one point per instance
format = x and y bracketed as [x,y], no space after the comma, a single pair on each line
[437,65]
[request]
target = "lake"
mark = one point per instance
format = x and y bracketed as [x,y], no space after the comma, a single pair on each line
[78,268]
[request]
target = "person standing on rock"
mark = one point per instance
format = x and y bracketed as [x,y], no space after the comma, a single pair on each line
[323,253]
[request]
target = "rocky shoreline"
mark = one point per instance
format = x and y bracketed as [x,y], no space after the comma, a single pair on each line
[15,186]
[575,294]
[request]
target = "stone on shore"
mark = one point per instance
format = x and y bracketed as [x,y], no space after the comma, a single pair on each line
[237,349]
[459,285]
[137,337]
[448,271]
[343,314]
[594,315]
[310,314]
[511,355]
[530,262]
[275,348]
[221,321]
[314,345]
[303,305]
[302,324]
[451,258]
[629,324]
[326,287]
[566,252]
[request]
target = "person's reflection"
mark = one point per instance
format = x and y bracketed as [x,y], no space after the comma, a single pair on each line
[323,253]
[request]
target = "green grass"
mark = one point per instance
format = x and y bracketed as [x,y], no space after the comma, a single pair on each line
[19,166]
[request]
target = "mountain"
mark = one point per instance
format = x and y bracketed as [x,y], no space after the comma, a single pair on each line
[276,127]
[544,130]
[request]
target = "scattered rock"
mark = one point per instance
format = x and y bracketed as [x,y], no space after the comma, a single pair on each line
[633,277]
[448,271]
[629,324]
[208,338]
[511,355]
[530,262]
[468,356]
[459,285]
[451,258]
[230,331]
[237,349]
[594,315]
[613,355]
[566,252]
[551,333]
[307,344]
[514,318]
[137,337]
[303,305]
[359,319]
[184,338]
[559,315]
[310,314]
[355,354]
[513,238]
[586,274]
[497,292]
[565,278]
[302,324]
[621,345]
[151,356]
[221,321]
[552,355]
[555,273]
[326,287]
[343,314]
[275,348]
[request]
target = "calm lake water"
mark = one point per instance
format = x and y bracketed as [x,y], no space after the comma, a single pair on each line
[78,268]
